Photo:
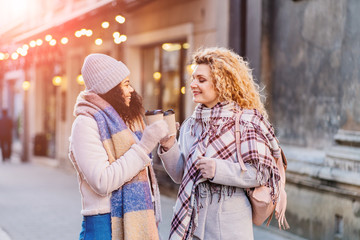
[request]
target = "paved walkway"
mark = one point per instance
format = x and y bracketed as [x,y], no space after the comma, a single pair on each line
[39,202]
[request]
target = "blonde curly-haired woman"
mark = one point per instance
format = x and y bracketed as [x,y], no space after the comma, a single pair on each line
[212,203]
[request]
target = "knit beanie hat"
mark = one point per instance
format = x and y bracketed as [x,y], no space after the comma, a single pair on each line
[101,73]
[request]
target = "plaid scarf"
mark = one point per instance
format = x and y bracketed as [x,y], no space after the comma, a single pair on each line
[132,210]
[214,130]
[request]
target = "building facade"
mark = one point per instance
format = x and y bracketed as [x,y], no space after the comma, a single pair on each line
[310,58]
[154,38]
[304,53]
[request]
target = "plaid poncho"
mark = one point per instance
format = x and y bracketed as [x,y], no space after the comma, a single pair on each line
[214,133]
[132,209]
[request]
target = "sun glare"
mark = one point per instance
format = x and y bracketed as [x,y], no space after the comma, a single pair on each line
[17,8]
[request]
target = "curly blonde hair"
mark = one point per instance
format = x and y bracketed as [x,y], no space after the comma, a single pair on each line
[232,77]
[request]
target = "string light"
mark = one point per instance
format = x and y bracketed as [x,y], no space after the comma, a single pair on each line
[78,34]
[64,40]
[89,33]
[52,42]
[23,51]
[120,19]
[98,41]
[116,34]
[48,38]
[14,56]
[105,24]
[123,38]
[83,31]
[32,43]
[39,42]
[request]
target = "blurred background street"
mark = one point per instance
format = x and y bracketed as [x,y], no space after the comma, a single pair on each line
[305,57]
[41,201]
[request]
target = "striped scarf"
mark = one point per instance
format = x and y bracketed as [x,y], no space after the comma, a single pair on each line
[132,209]
[214,131]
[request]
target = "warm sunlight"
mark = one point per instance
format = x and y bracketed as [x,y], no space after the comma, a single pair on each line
[15,9]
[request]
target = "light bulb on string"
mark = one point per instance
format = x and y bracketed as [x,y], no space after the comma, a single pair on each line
[77,34]
[52,42]
[24,53]
[39,42]
[64,40]
[89,33]
[116,34]
[123,38]
[48,38]
[32,43]
[120,19]
[98,41]
[105,24]
[14,56]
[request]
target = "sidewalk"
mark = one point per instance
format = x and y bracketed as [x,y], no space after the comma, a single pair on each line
[42,202]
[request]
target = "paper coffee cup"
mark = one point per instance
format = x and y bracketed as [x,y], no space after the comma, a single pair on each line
[169,117]
[153,116]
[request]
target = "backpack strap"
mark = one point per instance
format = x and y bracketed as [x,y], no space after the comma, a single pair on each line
[237,139]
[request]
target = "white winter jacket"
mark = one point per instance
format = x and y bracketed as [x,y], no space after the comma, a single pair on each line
[96,177]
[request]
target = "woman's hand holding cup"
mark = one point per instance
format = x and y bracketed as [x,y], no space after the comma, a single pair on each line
[169,117]
[153,134]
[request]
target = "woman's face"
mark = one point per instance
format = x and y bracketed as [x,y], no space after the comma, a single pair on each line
[202,86]
[127,90]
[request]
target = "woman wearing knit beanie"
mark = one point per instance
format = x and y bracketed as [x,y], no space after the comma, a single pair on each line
[110,149]
[211,202]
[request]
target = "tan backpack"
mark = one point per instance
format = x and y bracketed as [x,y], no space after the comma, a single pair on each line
[262,205]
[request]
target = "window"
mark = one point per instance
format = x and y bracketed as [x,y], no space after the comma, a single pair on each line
[164,77]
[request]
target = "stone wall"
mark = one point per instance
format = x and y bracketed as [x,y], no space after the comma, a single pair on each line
[310,66]
[314,49]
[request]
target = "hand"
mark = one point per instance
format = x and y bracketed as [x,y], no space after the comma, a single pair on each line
[168,141]
[207,167]
[153,134]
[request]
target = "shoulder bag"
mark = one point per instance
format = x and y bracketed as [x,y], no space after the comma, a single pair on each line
[261,203]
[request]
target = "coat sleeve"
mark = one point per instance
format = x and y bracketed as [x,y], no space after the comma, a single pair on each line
[173,162]
[92,159]
[174,159]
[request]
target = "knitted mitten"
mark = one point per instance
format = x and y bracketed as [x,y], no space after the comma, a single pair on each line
[152,135]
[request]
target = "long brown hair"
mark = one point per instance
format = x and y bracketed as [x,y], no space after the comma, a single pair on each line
[130,114]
